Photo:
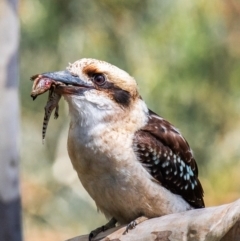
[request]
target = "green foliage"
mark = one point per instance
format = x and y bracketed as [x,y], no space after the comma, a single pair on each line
[184,55]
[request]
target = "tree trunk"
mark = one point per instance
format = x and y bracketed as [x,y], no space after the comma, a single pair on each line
[10,204]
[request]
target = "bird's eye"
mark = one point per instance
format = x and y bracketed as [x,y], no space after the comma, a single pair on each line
[99,79]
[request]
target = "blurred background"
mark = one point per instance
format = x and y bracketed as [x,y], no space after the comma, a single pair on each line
[185,56]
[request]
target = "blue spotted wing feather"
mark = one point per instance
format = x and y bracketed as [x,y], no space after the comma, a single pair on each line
[161,148]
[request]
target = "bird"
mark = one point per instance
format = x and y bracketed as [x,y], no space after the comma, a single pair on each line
[132,162]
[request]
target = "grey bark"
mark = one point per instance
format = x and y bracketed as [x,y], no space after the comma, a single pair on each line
[10,204]
[221,223]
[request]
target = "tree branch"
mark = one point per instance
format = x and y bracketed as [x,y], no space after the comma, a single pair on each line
[221,223]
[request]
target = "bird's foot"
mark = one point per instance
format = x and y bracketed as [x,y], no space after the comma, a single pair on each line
[95,232]
[134,223]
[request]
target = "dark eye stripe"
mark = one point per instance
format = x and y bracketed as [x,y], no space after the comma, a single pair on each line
[121,96]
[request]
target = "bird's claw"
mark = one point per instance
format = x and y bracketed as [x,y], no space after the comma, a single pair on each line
[130,226]
[134,223]
[95,232]
[105,227]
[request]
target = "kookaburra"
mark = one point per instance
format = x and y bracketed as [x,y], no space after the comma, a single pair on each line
[131,161]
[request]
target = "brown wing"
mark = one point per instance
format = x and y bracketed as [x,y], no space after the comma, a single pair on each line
[162,149]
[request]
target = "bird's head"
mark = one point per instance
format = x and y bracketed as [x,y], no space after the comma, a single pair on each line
[96,89]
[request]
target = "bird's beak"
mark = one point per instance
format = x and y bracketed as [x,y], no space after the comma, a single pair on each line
[72,84]
[65,77]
